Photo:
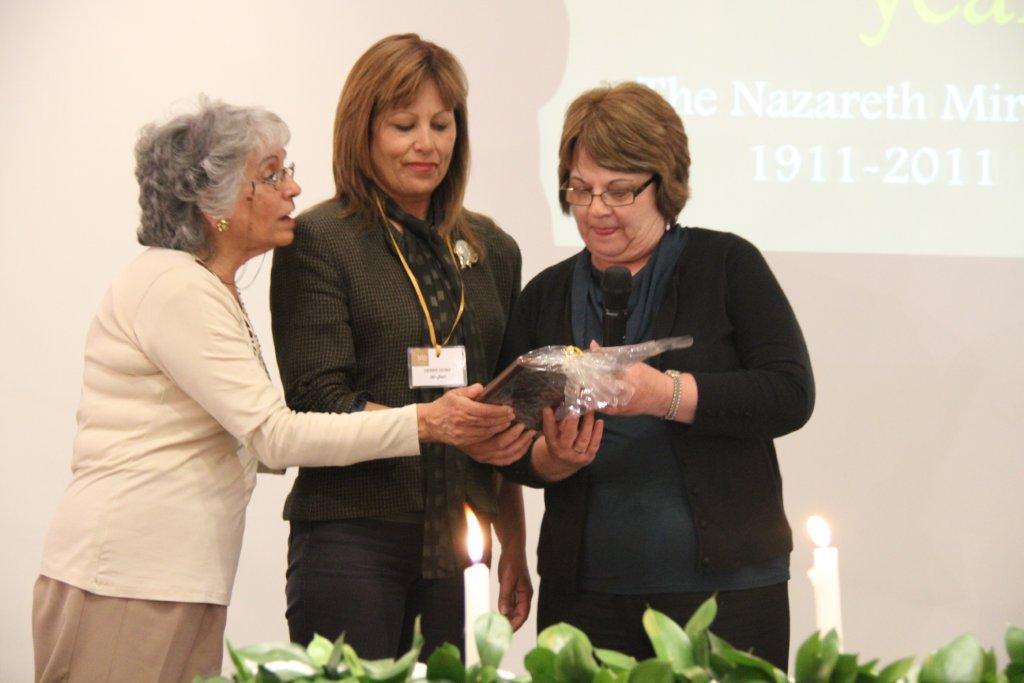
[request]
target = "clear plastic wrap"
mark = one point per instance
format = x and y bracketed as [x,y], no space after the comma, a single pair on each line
[573,380]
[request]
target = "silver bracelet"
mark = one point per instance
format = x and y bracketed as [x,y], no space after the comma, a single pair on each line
[677,395]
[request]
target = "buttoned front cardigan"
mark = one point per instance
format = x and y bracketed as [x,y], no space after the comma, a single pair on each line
[754,383]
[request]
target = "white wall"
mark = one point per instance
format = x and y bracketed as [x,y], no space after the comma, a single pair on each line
[914,453]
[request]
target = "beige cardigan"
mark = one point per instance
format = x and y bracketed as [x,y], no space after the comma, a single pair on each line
[172,386]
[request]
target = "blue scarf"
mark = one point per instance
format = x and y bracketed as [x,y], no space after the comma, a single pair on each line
[649,286]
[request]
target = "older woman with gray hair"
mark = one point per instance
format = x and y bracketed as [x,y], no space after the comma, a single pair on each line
[177,410]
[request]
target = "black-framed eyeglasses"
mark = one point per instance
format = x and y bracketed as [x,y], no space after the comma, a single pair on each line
[616,197]
[275,178]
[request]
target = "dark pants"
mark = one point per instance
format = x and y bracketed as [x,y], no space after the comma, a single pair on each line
[756,619]
[362,577]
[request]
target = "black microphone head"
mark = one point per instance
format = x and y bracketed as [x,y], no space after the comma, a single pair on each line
[616,285]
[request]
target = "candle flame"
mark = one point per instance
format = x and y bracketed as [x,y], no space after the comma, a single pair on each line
[819,530]
[474,537]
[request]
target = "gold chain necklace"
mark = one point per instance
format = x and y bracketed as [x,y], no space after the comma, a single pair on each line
[211,271]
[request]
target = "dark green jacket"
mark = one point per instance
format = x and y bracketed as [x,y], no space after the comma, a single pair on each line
[344,314]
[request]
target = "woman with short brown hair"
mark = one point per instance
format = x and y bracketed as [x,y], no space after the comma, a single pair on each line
[387,278]
[629,128]
[683,498]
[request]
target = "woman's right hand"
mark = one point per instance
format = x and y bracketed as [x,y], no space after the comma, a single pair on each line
[503,448]
[567,446]
[458,419]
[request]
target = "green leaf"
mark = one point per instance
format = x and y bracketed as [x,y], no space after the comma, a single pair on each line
[807,657]
[482,673]
[352,659]
[702,618]
[701,649]
[846,669]
[540,662]
[1014,672]
[868,667]
[446,664]
[697,629]
[960,661]
[605,676]
[989,668]
[242,672]
[750,661]
[263,675]
[319,650]
[261,653]
[724,652]
[747,674]
[696,674]
[396,671]
[555,637]
[487,674]
[829,657]
[1015,644]
[670,642]
[575,661]
[286,672]
[651,671]
[334,661]
[493,636]
[373,667]
[895,671]
[616,661]
[719,665]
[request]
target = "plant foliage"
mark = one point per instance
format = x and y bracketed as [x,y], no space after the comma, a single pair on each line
[564,654]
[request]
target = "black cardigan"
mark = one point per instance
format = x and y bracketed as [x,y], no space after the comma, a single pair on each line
[754,384]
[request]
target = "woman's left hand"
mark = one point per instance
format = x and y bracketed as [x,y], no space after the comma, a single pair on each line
[515,589]
[652,393]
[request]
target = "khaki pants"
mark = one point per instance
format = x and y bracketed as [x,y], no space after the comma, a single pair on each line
[81,636]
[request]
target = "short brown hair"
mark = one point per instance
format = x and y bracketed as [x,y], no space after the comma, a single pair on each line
[630,128]
[388,75]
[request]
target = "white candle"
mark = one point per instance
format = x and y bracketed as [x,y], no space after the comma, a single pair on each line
[824,576]
[477,584]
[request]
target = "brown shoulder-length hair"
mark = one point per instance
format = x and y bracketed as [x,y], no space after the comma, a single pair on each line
[388,75]
[630,128]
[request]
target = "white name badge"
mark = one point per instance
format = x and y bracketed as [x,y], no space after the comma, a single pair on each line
[427,369]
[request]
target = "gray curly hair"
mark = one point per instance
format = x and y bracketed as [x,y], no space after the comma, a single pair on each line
[193,166]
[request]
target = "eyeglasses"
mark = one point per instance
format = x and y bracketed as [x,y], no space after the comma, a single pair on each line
[616,197]
[275,178]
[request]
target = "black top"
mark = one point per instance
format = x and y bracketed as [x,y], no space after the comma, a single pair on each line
[640,536]
[344,315]
[754,384]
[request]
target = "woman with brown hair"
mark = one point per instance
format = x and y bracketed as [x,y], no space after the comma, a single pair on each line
[391,292]
[683,498]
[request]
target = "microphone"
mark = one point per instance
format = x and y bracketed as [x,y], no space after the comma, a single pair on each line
[616,285]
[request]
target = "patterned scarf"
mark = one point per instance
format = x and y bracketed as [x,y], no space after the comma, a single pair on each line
[445,469]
